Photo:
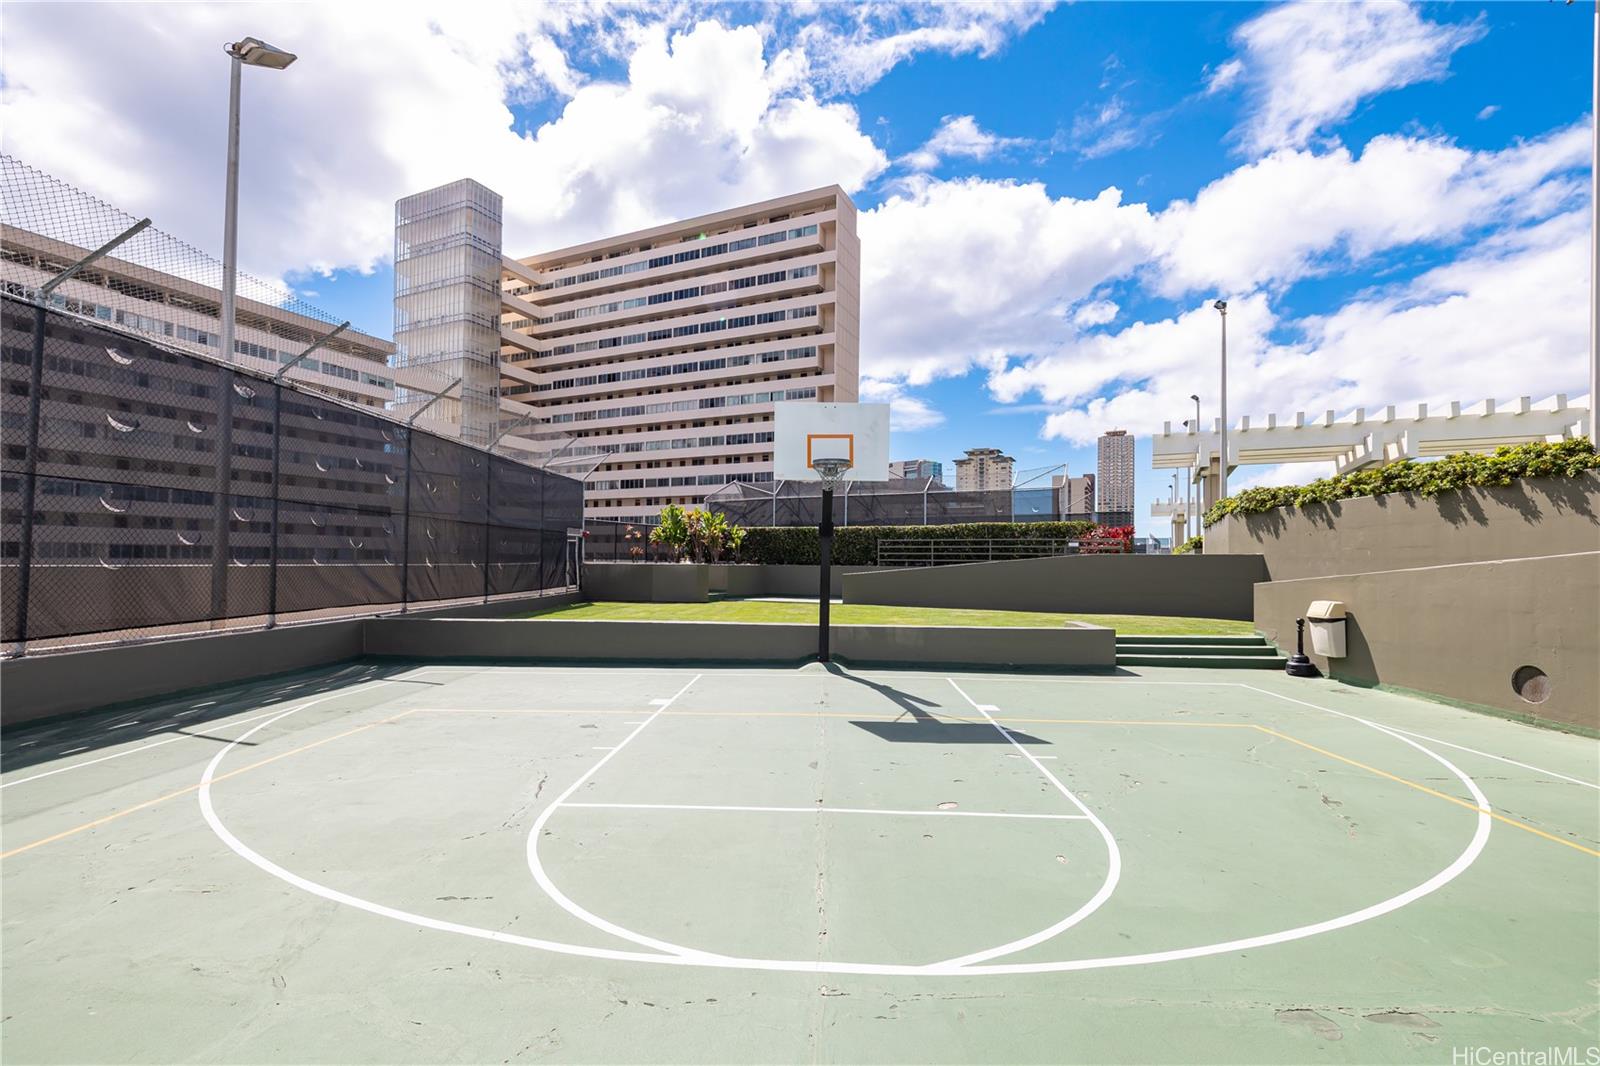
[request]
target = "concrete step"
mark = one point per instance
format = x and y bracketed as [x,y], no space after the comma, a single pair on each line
[1135,647]
[1179,639]
[1236,662]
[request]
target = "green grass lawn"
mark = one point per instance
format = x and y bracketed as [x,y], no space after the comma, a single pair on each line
[867,614]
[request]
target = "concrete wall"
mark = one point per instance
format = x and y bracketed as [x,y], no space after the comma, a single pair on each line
[647,582]
[62,683]
[42,685]
[691,582]
[1461,630]
[1531,517]
[746,579]
[1065,647]
[1201,586]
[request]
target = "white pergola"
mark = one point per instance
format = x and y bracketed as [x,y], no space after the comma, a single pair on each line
[1358,439]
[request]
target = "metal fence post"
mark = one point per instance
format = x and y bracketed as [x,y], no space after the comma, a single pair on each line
[30,480]
[277,446]
[488,513]
[221,533]
[405,528]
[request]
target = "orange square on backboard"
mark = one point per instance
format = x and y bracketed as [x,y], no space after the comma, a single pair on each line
[848,438]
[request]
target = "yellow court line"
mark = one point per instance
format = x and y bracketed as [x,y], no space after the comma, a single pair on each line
[124,812]
[1432,792]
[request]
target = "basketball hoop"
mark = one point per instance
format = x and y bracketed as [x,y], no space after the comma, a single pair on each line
[830,471]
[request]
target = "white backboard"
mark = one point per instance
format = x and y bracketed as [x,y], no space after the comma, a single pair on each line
[805,432]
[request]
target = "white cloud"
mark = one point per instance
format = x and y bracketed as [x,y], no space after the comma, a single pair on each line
[1298,213]
[1488,112]
[907,413]
[1307,66]
[1095,313]
[852,54]
[960,136]
[1224,76]
[1506,320]
[705,116]
[958,273]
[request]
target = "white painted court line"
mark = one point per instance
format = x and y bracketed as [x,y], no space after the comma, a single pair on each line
[1498,758]
[1418,736]
[823,810]
[560,898]
[815,966]
[1014,755]
[1113,856]
[130,751]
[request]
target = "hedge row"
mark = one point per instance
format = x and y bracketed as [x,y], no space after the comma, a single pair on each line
[858,545]
[1565,458]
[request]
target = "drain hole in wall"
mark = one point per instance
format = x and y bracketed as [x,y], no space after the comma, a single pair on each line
[1531,683]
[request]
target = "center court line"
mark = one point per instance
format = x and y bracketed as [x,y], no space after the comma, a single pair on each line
[820,810]
[560,898]
[1113,857]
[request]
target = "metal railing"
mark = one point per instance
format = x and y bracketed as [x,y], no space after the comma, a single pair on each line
[149,491]
[976,550]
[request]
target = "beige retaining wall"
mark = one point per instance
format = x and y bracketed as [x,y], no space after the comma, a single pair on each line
[1461,630]
[1197,586]
[1448,595]
[1061,647]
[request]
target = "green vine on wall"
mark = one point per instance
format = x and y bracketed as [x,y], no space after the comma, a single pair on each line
[1565,458]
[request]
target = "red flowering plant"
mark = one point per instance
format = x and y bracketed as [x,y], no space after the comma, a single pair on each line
[1107,540]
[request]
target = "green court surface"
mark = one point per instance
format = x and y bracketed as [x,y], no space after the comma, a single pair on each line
[404,862]
[846,614]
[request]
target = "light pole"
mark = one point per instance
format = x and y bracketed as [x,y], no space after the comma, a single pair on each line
[1594,239]
[1199,488]
[256,53]
[1222,467]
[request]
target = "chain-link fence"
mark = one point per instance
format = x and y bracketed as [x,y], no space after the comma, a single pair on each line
[149,491]
[887,503]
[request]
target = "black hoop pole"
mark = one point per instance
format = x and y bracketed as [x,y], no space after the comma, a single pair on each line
[825,543]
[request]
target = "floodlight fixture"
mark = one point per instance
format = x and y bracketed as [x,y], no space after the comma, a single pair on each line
[254,52]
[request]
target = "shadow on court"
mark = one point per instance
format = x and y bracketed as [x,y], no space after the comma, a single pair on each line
[187,715]
[927,730]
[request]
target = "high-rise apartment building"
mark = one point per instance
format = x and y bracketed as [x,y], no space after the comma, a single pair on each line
[1114,480]
[916,470]
[984,469]
[662,352]
[188,314]
[1074,495]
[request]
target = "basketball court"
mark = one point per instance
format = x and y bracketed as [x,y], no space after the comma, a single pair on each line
[409,862]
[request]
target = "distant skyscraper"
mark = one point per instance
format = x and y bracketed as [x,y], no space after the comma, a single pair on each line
[917,470]
[1114,483]
[1074,495]
[984,469]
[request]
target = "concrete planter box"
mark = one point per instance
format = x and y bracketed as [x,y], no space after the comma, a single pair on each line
[692,582]
[1530,517]
[1063,648]
[1447,595]
[647,582]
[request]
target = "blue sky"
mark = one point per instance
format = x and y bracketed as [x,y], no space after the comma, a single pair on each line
[1393,197]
